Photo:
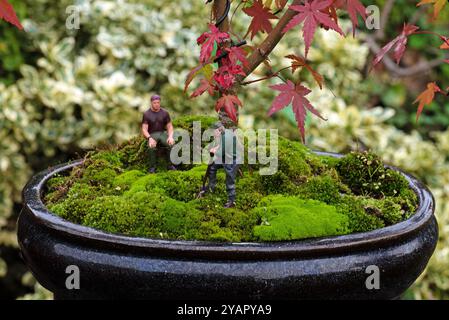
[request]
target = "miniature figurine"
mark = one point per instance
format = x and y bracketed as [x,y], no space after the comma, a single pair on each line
[157,128]
[225,153]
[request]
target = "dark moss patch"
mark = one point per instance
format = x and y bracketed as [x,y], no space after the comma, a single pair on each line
[366,174]
[309,196]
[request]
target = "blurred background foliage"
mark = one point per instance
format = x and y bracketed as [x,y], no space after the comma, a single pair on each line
[63,92]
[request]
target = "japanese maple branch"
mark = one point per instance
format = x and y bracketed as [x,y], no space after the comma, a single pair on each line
[270,42]
[397,70]
[265,78]
[219,8]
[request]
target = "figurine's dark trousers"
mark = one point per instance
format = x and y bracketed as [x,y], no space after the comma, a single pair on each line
[231,171]
[161,139]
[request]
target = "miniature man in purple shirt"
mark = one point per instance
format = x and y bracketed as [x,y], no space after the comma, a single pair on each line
[157,128]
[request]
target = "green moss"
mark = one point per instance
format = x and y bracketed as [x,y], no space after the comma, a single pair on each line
[147,183]
[179,220]
[322,188]
[127,179]
[408,200]
[278,183]
[359,219]
[387,209]
[56,182]
[57,187]
[309,196]
[77,203]
[293,158]
[99,172]
[292,218]
[179,185]
[365,174]
[111,156]
[186,122]
[249,191]
[135,215]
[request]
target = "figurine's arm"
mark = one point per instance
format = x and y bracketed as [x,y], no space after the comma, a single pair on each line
[151,142]
[216,143]
[170,129]
[145,132]
[170,139]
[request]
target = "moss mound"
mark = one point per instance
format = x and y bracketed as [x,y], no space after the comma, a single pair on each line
[309,196]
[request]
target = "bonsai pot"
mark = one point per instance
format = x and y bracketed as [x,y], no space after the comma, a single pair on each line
[117,266]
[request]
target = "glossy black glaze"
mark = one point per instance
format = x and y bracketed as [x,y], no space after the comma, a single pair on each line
[116,266]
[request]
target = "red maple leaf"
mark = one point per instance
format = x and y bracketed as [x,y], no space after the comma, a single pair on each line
[191,75]
[236,54]
[229,103]
[426,97]
[295,94]
[353,7]
[299,62]
[399,43]
[207,41]
[205,85]
[8,14]
[261,18]
[225,75]
[311,14]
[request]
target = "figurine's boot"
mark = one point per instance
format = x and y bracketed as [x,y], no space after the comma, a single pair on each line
[152,170]
[229,204]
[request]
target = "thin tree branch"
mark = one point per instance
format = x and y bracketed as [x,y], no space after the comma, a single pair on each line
[270,42]
[398,71]
[265,78]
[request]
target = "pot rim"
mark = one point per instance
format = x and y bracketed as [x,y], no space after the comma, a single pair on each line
[33,204]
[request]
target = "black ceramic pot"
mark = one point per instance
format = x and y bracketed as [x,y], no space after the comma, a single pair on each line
[115,266]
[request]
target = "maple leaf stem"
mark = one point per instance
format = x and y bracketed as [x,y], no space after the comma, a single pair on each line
[276,74]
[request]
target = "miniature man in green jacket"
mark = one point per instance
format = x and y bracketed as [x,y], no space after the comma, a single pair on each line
[227,155]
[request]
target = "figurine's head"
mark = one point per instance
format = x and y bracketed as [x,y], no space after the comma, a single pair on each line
[219,128]
[155,102]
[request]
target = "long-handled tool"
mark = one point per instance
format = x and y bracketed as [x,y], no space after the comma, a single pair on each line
[206,176]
